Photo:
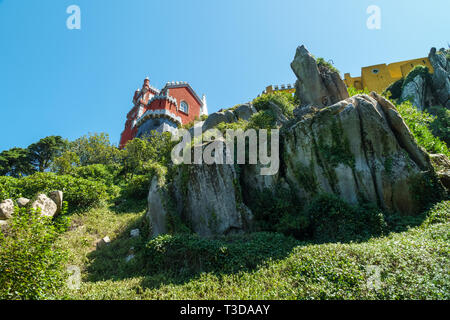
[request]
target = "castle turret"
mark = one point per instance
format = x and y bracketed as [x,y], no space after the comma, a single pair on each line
[204,111]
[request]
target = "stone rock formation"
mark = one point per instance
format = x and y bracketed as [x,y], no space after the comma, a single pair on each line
[103,242]
[358,148]
[48,206]
[314,86]
[22,202]
[206,197]
[442,165]
[156,212]
[417,91]
[6,209]
[57,197]
[441,76]
[423,91]
[243,111]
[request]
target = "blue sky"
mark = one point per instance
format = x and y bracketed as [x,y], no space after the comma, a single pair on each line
[56,81]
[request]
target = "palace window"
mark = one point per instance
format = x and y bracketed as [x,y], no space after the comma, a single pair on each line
[184,107]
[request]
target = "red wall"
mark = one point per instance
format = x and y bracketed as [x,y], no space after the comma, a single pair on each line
[180,94]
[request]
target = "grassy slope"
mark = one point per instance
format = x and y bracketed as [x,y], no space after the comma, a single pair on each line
[414,265]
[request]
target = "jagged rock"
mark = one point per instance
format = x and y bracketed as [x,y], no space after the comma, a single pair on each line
[212,204]
[300,112]
[103,242]
[134,233]
[206,197]
[316,87]
[156,212]
[57,197]
[48,206]
[214,119]
[441,77]
[359,148]
[4,226]
[442,165]
[440,161]
[416,92]
[244,111]
[6,209]
[22,202]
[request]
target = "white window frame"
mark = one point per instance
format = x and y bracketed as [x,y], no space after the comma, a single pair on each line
[187,107]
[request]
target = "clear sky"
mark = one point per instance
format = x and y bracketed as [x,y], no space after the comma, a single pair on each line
[56,81]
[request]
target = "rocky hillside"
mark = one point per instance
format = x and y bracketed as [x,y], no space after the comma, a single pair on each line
[356,148]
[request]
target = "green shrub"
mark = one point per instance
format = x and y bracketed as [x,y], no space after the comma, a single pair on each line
[418,70]
[333,220]
[284,100]
[352,91]
[419,124]
[96,172]
[440,126]
[264,119]
[394,90]
[325,65]
[9,188]
[137,187]
[439,213]
[31,267]
[278,211]
[187,254]
[78,192]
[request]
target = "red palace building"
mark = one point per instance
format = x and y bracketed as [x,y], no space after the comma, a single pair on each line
[162,110]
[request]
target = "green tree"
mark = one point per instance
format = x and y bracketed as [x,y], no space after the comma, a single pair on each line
[95,148]
[42,153]
[66,162]
[15,162]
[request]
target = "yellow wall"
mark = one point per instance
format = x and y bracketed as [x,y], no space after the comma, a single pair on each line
[374,78]
[379,77]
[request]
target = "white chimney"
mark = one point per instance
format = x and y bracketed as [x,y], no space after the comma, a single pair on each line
[204,110]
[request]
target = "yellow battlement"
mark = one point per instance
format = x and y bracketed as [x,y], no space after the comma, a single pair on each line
[379,77]
[374,78]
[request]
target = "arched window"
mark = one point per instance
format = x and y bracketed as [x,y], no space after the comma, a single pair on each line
[184,107]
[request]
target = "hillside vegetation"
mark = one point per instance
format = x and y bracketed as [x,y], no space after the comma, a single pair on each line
[328,249]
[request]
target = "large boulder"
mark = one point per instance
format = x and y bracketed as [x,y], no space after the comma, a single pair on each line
[207,199]
[416,92]
[244,111]
[358,149]
[57,197]
[214,119]
[156,212]
[6,209]
[441,76]
[48,206]
[442,165]
[22,202]
[316,86]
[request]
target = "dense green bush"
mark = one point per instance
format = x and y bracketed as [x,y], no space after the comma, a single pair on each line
[31,267]
[284,100]
[419,124]
[137,187]
[187,254]
[333,220]
[78,192]
[441,123]
[278,211]
[326,65]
